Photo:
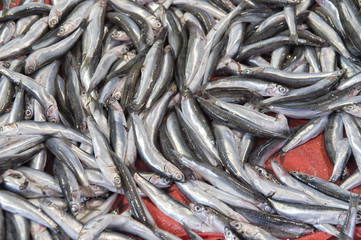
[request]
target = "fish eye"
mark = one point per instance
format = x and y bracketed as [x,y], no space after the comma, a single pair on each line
[267,208]
[54,22]
[24,186]
[28,112]
[61,30]
[16,175]
[178,177]
[350,107]
[166,180]
[282,89]
[74,207]
[117,180]
[228,233]
[198,208]
[31,69]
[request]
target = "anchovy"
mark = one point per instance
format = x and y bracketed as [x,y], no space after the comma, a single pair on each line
[151,156]
[289,79]
[352,132]
[26,10]
[41,57]
[121,223]
[19,205]
[352,180]
[328,188]
[171,207]
[312,214]
[310,130]
[36,90]
[337,148]
[274,190]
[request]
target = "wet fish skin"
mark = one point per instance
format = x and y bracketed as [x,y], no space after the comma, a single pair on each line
[41,57]
[47,100]
[312,214]
[308,131]
[97,224]
[179,212]
[278,223]
[103,157]
[251,231]
[58,10]
[151,155]
[149,74]
[324,186]
[68,185]
[318,25]
[74,19]
[69,224]
[352,180]
[16,204]
[337,148]
[26,10]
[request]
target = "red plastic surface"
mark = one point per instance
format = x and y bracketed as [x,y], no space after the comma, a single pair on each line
[309,158]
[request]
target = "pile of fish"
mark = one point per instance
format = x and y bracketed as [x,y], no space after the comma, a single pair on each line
[188,87]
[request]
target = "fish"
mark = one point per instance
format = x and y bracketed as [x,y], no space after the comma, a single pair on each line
[183,102]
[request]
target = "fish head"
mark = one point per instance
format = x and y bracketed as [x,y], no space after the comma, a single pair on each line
[52,113]
[30,65]
[229,235]
[29,111]
[120,36]
[159,181]
[65,29]
[252,172]
[353,109]
[117,182]
[340,72]
[241,228]
[154,23]
[120,50]
[9,129]
[94,203]
[266,174]
[15,180]
[74,208]
[276,90]
[265,206]
[358,218]
[201,212]
[5,64]
[177,175]
[54,18]
[130,55]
